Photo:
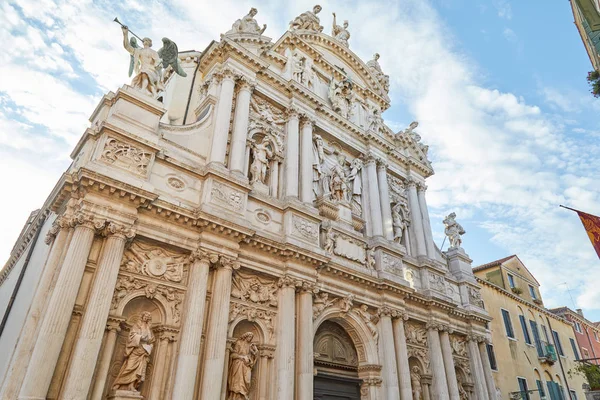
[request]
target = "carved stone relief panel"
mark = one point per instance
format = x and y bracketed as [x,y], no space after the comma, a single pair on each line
[305,229]
[126,156]
[475,297]
[392,264]
[459,346]
[437,283]
[350,248]
[253,289]
[416,334]
[252,314]
[452,291]
[155,261]
[227,196]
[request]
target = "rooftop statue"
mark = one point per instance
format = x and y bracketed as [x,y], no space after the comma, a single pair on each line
[453,230]
[410,131]
[308,20]
[148,64]
[376,70]
[247,24]
[340,32]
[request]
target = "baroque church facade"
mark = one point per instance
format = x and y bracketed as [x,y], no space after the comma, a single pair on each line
[243,225]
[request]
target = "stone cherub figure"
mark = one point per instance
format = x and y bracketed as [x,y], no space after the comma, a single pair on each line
[247,24]
[308,20]
[137,353]
[340,32]
[453,230]
[148,64]
[242,359]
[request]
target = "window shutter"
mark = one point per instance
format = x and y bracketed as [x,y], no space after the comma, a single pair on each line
[525,331]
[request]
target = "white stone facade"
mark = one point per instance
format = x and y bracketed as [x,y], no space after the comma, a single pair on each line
[264,194]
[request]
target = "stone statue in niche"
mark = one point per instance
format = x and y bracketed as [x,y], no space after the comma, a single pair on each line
[319,175]
[338,181]
[462,393]
[355,182]
[375,68]
[329,241]
[415,382]
[341,96]
[298,67]
[453,230]
[242,359]
[400,220]
[262,154]
[374,119]
[371,258]
[137,353]
[308,20]
[340,32]
[247,24]
[309,76]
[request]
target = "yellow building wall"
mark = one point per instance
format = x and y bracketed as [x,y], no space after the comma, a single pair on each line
[515,358]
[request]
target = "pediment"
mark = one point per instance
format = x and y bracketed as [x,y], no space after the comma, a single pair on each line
[516,266]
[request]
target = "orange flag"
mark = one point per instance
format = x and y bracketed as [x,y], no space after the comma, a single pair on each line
[591,223]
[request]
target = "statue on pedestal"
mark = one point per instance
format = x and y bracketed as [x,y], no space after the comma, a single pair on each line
[248,24]
[355,182]
[308,20]
[242,359]
[338,185]
[400,220]
[318,160]
[453,230]
[262,154]
[375,68]
[137,353]
[340,32]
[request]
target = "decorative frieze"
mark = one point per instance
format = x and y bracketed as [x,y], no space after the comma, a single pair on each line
[126,156]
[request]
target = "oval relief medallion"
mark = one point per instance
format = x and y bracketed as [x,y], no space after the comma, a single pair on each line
[176,183]
[262,216]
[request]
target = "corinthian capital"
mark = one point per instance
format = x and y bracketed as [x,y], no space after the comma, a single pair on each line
[246,83]
[292,112]
[306,286]
[286,281]
[115,229]
[227,262]
[202,255]
[89,221]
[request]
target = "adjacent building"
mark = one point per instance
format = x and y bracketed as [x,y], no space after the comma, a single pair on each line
[586,332]
[586,15]
[243,224]
[532,349]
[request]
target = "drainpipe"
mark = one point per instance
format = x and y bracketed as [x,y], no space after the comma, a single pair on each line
[562,369]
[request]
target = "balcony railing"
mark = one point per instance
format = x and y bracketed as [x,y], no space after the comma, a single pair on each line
[548,353]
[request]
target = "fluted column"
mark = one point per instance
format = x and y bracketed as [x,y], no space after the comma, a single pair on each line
[428,234]
[449,365]
[386,343]
[58,238]
[402,357]
[384,198]
[284,357]
[374,201]
[159,374]
[216,332]
[304,350]
[240,126]
[306,161]
[191,330]
[487,370]
[89,340]
[60,305]
[440,384]
[292,154]
[113,327]
[416,219]
[223,116]
[477,369]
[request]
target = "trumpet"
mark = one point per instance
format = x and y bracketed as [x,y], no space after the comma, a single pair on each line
[125,26]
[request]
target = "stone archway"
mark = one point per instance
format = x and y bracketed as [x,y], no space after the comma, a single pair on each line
[336,364]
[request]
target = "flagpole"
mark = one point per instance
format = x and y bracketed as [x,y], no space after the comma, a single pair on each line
[568,208]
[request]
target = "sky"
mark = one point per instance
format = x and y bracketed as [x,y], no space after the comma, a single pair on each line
[498,87]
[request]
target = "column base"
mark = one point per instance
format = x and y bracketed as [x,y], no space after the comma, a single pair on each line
[124,395]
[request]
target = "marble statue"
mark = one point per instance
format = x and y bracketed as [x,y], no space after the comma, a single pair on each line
[368,318]
[341,96]
[308,20]
[355,183]
[248,24]
[340,32]
[298,67]
[338,182]
[320,303]
[329,241]
[399,221]
[374,119]
[309,76]
[370,258]
[375,68]
[453,230]
[346,303]
[137,353]
[415,382]
[242,359]
[462,393]
[262,154]
[410,131]
[148,64]
[318,160]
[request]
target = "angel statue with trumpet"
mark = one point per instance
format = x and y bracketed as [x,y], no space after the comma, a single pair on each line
[147,63]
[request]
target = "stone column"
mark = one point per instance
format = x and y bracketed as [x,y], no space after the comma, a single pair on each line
[265,382]
[237,154]
[371,388]
[291,154]
[374,202]
[284,357]
[58,237]
[384,198]
[60,306]
[222,117]
[191,329]
[429,244]
[487,370]
[306,161]
[113,327]
[440,384]
[160,361]
[216,329]
[304,349]
[477,369]
[416,220]
[449,365]
[89,340]
[387,348]
[402,357]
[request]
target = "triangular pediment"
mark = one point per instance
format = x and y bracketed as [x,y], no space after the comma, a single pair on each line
[516,266]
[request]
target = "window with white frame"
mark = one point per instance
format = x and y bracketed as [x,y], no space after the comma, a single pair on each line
[532,292]
[596,336]
[578,327]
[511,281]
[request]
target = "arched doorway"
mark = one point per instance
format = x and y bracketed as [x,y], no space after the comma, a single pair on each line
[336,364]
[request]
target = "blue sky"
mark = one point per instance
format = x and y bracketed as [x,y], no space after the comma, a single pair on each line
[498,87]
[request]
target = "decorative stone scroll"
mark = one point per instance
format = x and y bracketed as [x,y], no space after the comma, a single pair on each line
[126,156]
[154,261]
[253,289]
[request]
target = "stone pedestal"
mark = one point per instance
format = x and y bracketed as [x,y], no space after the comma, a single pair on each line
[260,188]
[459,264]
[124,395]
